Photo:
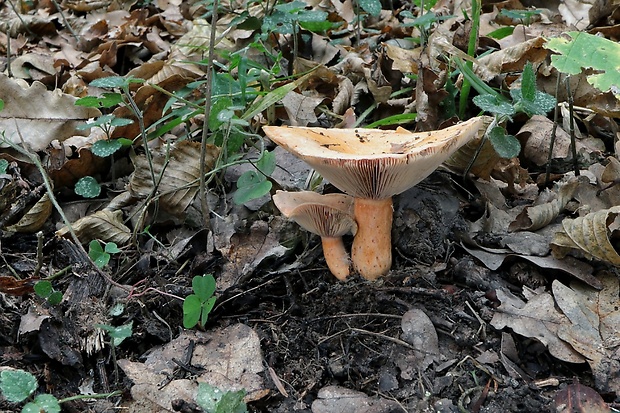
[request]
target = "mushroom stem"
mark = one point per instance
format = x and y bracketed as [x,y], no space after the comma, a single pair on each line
[336,257]
[372,246]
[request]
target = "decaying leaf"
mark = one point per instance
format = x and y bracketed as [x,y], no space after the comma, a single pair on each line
[103,225]
[39,115]
[229,359]
[180,165]
[535,217]
[588,235]
[537,318]
[535,136]
[485,158]
[593,328]
[36,216]
[577,398]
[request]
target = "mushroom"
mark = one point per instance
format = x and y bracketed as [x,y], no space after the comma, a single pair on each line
[329,216]
[372,166]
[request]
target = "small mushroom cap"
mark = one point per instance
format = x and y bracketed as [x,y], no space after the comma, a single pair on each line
[372,163]
[328,215]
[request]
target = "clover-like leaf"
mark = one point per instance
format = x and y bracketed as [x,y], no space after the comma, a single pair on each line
[88,187]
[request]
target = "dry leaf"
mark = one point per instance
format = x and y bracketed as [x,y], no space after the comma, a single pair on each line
[35,218]
[536,217]
[537,318]
[577,398]
[105,225]
[588,235]
[300,108]
[39,115]
[180,180]
[593,328]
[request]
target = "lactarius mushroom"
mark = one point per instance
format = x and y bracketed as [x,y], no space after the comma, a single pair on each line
[329,216]
[372,166]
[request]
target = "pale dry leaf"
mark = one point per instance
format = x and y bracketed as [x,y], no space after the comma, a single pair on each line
[419,331]
[246,251]
[105,225]
[535,136]
[39,115]
[180,165]
[231,360]
[512,59]
[593,328]
[588,235]
[337,399]
[35,218]
[485,157]
[537,318]
[300,108]
[344,95]
[23,66]
[538,216]
[582,13]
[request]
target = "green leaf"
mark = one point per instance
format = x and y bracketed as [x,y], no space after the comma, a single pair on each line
[106,100]
[43,288]
[248,193]
[88,101]
[541,105]
[528,83]
[491,104]
[88,187]
[588,51]
[270,99]
[1,104]
[506,146]
[112,248]
[17,385]
[110,82]
[120,122]
[214,400]
[105,147]
[207,306]
[4,164]
[220,104]
[55,298]
[501,32]
[372,7]
[401,119]
[192,307]
[43,403]
[267,163]
[97,254]
[203,286]
[118,334]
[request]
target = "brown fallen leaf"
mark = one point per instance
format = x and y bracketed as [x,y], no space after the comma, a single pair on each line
[539,216]
[577,398]
[13,286]
[593,328]
[104,225]
[536,318]
[588,235]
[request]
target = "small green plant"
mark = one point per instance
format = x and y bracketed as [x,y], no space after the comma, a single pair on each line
[88,187]
[101,254]
[45,290]
[4,165]
[524,16]
[214,400]
[524,99]
[117,334]
[254,183]
[197,306]
[19,385]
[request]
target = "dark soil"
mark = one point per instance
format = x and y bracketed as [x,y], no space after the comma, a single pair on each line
[314,330]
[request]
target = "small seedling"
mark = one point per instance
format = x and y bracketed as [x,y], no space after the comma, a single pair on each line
[45,290]
[214,400]
[117,334]
[254,183]
[197,306]
[101,255]
[525,99]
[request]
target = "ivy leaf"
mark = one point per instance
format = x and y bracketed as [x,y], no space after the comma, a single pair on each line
[88,187]
[105,147]
[17,385]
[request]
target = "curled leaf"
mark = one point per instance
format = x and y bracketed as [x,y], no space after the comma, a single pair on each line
[34,219]
[589,235]
[539,216]
[104,225]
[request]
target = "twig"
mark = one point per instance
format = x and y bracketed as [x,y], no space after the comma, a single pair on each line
[204,206]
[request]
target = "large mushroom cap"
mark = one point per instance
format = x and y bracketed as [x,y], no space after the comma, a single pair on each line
[371,163]
[328,215]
